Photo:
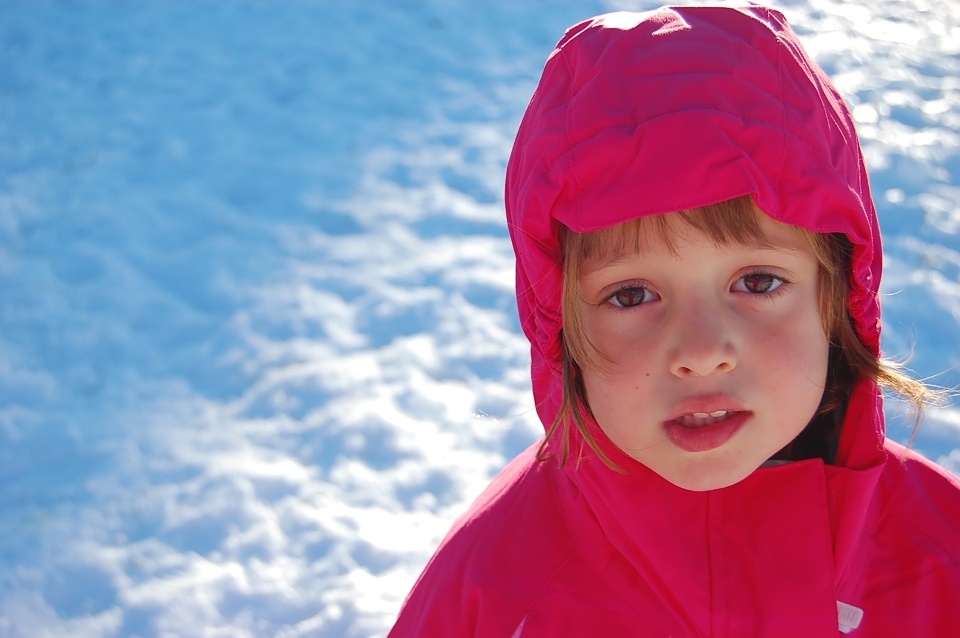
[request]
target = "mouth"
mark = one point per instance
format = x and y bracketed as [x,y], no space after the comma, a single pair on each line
[703,431]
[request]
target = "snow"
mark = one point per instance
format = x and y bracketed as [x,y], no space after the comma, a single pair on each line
[258,343]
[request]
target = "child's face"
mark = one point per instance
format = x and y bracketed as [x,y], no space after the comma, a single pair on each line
[717,354]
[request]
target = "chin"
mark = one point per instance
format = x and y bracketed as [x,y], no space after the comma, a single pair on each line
[704,479]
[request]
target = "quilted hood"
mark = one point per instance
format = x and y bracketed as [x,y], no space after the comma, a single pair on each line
[639,114]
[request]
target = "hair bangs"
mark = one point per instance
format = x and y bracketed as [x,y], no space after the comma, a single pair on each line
[732,221]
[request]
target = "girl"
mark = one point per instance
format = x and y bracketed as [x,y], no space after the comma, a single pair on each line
[698,260]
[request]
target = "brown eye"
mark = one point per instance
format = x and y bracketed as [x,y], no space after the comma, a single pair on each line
[634,296]
[759,283]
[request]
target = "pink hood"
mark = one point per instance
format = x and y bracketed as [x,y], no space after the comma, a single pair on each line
[637,115]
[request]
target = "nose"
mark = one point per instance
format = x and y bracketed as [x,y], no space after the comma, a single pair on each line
[703,344]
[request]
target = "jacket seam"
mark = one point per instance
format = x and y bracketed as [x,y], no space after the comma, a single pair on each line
[563,565]
[712,568]
[563,516]
[926,535]
[553,576]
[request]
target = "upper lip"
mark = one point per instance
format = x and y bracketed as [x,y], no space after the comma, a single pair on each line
[705,405]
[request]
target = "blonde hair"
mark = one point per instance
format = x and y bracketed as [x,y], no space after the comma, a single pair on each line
[733,221]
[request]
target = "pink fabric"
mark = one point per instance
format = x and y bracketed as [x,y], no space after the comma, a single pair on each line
[641,114]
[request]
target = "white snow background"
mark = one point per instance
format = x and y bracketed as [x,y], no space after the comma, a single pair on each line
[258,336]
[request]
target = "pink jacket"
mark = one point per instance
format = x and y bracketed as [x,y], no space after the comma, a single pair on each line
[720,102]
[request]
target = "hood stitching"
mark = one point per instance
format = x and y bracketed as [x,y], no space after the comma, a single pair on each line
[571,163]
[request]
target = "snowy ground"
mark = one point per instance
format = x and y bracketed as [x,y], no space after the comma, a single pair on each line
[258,342]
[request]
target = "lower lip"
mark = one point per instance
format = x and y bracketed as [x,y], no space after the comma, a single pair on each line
[705,437]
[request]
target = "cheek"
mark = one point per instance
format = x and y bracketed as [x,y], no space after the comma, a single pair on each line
[618,404]
[620,392]
[797,352]
[623,343]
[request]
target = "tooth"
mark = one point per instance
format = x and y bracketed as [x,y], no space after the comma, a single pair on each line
[700,415]
[719,413]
